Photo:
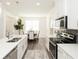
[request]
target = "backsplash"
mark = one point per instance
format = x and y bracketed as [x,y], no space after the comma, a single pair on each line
[73,32]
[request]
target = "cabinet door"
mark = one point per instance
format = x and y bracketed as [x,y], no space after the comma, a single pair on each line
[60,53]
[7,57]
[60,8]
[26,43]
[72,11]
[19,50]
[12,55]
[67,56]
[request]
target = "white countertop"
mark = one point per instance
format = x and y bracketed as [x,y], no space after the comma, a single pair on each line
[7,47]
[71,49]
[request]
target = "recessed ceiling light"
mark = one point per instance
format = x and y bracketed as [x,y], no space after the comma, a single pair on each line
[8,3]
[38,4]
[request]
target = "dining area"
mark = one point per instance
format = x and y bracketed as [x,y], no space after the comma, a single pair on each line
[33,35]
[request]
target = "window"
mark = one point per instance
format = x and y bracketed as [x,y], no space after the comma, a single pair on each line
[31,25]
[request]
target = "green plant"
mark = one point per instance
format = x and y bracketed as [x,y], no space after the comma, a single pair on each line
[19,25]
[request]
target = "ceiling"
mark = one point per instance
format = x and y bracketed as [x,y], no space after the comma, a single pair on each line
[29,7]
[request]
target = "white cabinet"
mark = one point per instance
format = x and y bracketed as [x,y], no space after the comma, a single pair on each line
[68,8]
[60,8]
[12,54]
[72,12]
[21,48]
[62,54]
[19,51]
[25,43]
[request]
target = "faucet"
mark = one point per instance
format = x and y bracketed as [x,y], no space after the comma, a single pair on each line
[9,35]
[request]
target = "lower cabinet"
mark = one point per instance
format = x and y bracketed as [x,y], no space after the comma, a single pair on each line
[19,51]
[21,48]
[12,54]
[63,55]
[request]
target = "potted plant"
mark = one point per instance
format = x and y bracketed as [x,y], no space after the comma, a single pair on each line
[19,26]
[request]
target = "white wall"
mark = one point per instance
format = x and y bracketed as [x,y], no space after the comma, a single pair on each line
[1,23]
[42,25]
[3,19]
[10,20]
[51,17]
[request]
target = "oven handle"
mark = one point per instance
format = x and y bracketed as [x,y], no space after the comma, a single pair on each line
[52,43]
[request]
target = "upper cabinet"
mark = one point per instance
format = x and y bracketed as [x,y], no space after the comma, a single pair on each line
[72,12]
[60,6]
[68,8]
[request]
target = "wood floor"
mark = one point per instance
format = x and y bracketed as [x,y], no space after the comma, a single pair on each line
[36,50]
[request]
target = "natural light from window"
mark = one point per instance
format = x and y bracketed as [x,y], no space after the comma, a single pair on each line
[31,25]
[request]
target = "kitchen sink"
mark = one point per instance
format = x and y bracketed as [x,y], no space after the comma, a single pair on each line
[14,40]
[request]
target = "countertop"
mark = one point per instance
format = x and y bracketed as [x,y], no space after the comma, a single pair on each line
[71,49]
[7,47]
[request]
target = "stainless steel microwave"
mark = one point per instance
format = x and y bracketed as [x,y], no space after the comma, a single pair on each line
[61,22]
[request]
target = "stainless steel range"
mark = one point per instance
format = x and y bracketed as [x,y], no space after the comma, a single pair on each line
[53,47]
[71,36]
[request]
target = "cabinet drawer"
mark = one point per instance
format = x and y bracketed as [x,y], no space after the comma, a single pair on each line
[63,55]
[21,48]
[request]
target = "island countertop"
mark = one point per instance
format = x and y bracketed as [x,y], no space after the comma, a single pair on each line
[7,47]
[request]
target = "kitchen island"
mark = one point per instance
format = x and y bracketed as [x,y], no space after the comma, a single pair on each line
[6,47]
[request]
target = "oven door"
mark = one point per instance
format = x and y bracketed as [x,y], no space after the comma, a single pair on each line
[53,50]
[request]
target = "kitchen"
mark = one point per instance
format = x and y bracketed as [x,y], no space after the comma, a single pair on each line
[49,26]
